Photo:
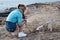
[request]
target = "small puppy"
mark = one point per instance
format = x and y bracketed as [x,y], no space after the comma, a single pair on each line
[45,27]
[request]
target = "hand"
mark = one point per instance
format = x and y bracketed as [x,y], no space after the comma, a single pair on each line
[25,20]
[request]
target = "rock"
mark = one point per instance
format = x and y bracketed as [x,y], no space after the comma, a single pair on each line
[4,13]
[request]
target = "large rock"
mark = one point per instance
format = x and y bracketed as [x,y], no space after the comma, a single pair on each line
[4,13]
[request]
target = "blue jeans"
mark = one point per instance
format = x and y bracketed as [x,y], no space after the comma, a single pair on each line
[11,27]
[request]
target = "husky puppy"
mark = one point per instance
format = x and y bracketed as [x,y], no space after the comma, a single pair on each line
[45,27]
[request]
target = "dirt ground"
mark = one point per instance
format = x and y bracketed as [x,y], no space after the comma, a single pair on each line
[32,36]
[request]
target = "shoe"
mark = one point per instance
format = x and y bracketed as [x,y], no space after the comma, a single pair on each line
[22,34]
[12,33]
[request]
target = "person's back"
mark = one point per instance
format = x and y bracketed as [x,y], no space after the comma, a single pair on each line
[14,15]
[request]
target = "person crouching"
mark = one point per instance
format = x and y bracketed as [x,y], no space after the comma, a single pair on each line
[15,20]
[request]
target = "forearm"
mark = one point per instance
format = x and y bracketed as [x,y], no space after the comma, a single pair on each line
[21,26]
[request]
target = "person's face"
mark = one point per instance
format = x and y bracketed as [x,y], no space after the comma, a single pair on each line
[22,8]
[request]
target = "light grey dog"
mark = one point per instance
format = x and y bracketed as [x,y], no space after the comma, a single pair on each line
[47,26]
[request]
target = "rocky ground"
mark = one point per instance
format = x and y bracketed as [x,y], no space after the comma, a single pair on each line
[37,16]
[32,36]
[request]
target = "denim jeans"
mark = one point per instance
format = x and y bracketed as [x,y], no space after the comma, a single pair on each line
[11,27]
